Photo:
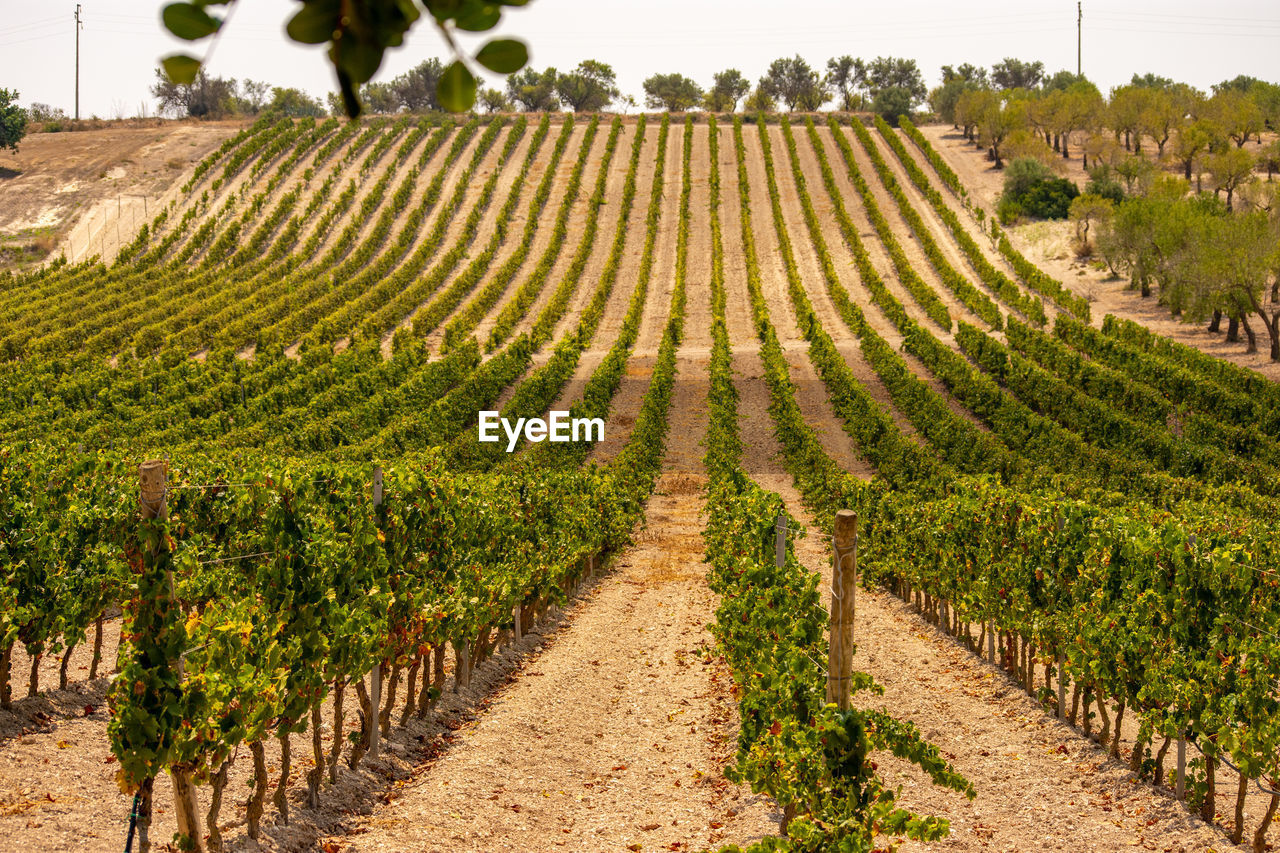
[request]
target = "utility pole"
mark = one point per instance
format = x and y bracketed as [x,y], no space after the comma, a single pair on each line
[1079,27]
[79,26]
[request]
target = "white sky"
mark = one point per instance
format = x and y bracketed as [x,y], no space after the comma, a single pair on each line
[122,41]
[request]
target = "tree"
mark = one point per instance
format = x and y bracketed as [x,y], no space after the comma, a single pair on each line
[671,92]
[996,120]
[358,34]
[1230,168]
[1061,81]
[1078,107]
[794,83]
[761,100]
[893,103]
[1015,74]
[1087,210]
[1269,158]
[966,73]
[534,91]
[204,97]
[1150,81]
[970,107]
[42,112]
[1124,114]
[416,90]
[945,99]
[588,88]
[1158,117]
[378,98]
[13,120]
[1241,83]
[891,72]
[294,102]
[1237,114]
[1138,173]
[1193,140]
[1241,253]
[495,101]
[251,97]
[845,75]
[728,88]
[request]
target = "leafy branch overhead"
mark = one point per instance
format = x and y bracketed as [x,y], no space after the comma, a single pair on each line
[358,33]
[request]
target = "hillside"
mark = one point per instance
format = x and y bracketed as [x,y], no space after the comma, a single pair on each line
[75,193]
[1065,522]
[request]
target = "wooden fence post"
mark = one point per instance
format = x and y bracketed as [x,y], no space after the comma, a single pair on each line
[1180,785]
[153,502]
[1062,687]
[375,676]
[844,582]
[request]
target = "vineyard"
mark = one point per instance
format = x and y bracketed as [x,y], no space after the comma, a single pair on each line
[323,614]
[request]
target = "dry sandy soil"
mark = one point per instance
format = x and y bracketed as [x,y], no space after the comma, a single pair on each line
[68,191]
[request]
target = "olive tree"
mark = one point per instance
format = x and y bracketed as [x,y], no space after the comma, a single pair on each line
[795,84]
[589,88]
[728,87]
[534,91]
[1230,168]
[671,92]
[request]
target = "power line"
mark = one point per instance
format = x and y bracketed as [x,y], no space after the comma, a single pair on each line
[79,27]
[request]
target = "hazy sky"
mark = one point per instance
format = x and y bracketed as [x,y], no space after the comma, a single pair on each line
[122,41]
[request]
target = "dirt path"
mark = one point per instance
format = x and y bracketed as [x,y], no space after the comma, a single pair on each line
[615,735]
[626,403]
[489,222]
[609,212]
[619,301]
[811,394]
[543,235]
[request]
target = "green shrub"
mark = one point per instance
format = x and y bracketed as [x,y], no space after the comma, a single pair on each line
[1050,199]
[1031,189]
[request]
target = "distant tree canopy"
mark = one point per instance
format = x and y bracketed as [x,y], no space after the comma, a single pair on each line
[761,100]
[204,97]
[13,120]
[589,88]
[294,102]
[672,92]
[965,73]
[728,87]
[891,72]
[494,101]
[1015,74]
[534,91]
[794,83]
[358,34]
[417,90]
[847,77]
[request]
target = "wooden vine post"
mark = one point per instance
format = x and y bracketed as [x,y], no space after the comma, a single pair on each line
[154,505]
[1180,780]
[1062,687]
[844,582]
[375,676]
